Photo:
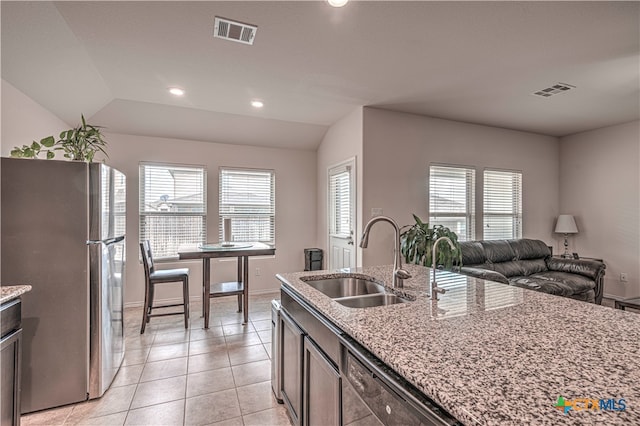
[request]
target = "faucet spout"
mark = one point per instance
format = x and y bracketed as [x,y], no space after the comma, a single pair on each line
[434,263]
[399,274]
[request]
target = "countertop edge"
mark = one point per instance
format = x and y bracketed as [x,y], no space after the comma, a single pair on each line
[10,292]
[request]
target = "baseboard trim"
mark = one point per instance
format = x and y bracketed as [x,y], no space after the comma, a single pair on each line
[196,299]
[611,296]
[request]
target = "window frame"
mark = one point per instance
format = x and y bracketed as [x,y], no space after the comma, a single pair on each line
[271,215]
[143,215]
[516,214]
[470,200]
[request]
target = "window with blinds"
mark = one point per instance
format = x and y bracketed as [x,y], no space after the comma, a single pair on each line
[247,197]
[502,211]
[452,199]
[340,200]
[173,208]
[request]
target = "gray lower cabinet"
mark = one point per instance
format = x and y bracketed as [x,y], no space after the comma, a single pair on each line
[291,367]
[321,388]
[10,347]
[311,387]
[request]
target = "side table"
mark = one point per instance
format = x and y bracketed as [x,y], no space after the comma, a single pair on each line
[628,303]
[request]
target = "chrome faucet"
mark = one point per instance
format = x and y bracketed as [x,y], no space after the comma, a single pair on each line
[399,274]
[434,256]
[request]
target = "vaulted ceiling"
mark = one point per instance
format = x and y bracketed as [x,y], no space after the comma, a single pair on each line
[312,64]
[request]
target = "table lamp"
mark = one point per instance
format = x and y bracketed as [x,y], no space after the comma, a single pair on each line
[566,225]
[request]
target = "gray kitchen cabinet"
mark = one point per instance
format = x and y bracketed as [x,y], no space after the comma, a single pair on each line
[317,398]
[321,387]
[10,347]
[291,366]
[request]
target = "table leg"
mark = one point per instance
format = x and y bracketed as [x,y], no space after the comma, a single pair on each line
[245,295]
[240,280]
[206,289]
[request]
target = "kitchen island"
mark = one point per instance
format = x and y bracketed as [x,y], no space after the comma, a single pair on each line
[493,354]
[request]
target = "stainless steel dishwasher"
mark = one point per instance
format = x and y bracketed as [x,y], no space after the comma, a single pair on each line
[276,350]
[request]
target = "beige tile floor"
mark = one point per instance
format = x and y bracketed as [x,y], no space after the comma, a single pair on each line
[173,376]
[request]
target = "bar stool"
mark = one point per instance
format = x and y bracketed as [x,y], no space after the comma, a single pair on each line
[153,277]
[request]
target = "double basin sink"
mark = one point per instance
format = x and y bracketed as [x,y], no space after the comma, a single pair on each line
[355,292]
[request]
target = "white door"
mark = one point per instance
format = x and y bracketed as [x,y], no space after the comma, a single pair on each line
[341,220]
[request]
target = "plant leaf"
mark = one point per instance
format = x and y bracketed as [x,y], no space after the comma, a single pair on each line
[49,141]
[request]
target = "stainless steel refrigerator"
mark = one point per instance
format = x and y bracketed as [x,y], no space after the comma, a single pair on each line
[62,232]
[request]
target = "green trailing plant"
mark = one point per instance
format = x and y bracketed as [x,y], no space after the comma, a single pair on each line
[35,149]
[417,244]
[80,143]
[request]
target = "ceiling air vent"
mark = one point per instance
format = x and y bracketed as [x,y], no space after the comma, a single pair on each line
[234,31]
[553,90]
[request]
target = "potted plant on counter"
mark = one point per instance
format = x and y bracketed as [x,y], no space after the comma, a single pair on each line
[417,244]
[80,143]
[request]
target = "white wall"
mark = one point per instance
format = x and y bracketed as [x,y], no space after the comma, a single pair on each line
[341,142]
[295,205]
[398,148]
[600,186]
[24,120]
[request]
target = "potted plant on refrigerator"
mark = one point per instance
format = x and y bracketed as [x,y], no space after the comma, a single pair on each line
[80,143]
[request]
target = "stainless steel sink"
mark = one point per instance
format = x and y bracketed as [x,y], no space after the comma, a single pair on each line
[371,300]
[346,287]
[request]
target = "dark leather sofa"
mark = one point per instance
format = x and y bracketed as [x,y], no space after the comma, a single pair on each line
[528,264]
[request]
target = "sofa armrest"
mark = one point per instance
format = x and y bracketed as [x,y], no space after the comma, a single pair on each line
[593,269]
[485,274]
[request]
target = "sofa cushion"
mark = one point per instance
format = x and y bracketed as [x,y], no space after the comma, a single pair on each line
[509,269]
[529,249]
[587,268]
[472,253]
[485,274]
[498,251]
[532,266]
[553,282]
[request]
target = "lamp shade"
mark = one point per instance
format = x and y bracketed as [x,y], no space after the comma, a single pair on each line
[566,225]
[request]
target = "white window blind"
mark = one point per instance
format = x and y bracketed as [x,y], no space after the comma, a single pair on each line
[340,199]
[502,204]
[452,199]
[247,197]
[173,208]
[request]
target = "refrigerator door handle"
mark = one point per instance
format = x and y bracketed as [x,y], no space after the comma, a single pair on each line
[106,242]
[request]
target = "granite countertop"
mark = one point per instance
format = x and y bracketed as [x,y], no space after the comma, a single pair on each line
[10,292]
[493,354]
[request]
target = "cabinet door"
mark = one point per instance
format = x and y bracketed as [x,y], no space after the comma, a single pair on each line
[321,388]
[291,366]
[10,387]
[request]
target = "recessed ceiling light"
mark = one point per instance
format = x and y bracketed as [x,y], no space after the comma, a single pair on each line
[176,91]
[257,103]
[337,3]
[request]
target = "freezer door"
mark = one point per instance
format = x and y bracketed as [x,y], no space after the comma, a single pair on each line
[44,235]
[107,202]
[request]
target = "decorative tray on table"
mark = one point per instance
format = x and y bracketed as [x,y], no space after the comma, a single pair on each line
[223,246]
